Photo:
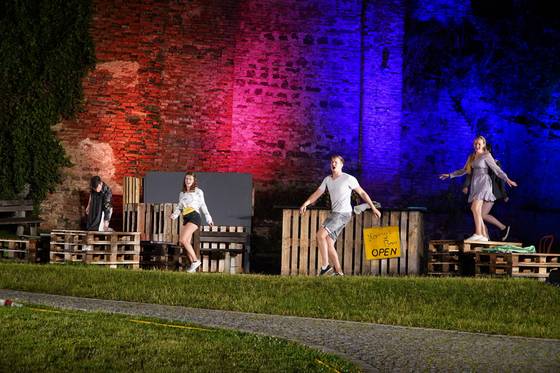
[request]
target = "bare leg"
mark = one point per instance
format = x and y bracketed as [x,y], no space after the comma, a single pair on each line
[187,231]
[333,256]
[322,235]
[486,207]
[476,208]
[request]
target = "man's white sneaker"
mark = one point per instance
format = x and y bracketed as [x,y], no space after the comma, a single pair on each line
[194,266]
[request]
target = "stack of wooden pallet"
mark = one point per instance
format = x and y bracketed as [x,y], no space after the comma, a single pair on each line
[113,249]
[222,248]
[443,258]
[516,265]
[22,250]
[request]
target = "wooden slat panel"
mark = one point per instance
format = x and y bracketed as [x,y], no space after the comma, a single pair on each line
[313,254]
[348,247]
[403,233]
[295,244]
[286,241]
[357,245]
[394,262]
[304,245]
[413,243]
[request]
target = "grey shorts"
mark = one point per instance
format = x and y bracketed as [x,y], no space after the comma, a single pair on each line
[335,223]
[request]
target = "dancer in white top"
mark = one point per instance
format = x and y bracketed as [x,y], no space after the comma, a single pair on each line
[340,186]
[191,201]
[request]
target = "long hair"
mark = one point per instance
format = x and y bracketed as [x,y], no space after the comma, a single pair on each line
[194,185]
[470,160]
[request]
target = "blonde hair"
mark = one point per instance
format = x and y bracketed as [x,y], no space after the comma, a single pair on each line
[470,160]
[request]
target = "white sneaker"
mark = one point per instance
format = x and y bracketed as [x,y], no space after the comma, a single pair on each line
[194,266]
[477,237]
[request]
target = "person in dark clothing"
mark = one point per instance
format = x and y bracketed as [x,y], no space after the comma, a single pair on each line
[499,191]
[100,206]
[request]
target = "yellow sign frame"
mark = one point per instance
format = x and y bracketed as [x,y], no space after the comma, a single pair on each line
[382,243]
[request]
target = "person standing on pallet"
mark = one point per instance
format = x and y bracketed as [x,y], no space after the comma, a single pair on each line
[340,186]
[481,194]
[100,206]
[499,191]
[191,201]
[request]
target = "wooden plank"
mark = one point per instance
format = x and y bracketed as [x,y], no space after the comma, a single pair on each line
[413,243]
[403,229]
[149,222]
[367,265]
[348,248]
[167,222]
[313,255]
[385,219]
[295,243]
[357,244]
[303,268]
[394,262]
[286,241]
[140,210]
[323,214]
[375,267]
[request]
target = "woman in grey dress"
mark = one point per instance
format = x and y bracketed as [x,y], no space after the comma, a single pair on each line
[481,194]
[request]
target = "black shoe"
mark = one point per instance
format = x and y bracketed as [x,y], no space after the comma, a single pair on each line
[506,229]
[326,270]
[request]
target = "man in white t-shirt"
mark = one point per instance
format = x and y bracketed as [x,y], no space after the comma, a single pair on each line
[340,186]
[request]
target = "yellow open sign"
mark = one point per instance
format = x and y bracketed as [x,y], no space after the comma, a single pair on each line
[382,243]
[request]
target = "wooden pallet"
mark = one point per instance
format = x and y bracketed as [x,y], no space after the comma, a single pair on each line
[114,249]
[443,258]
[22,250]
[517,265]
[474,246]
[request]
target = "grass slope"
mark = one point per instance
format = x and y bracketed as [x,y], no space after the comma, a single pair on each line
[35,339]
[508,306]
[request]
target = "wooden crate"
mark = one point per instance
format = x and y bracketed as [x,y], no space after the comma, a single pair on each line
[114,249]
[534,265]
[443,258]
[161,256]
[300,251]
[22,250]
[492,264]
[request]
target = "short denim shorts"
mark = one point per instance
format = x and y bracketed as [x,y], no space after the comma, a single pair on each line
[335,223]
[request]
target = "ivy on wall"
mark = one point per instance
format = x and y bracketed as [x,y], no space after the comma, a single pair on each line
[45,51]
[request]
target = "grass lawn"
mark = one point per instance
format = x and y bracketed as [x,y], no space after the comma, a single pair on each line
[40,339]
[505,306]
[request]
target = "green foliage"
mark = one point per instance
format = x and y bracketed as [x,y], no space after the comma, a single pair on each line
[45,50]
[504,306]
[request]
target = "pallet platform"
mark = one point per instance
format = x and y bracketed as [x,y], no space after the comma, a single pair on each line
[22,250]
[474,246]
[516,265]
[113,249]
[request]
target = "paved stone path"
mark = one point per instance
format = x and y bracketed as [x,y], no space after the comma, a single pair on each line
[373,347]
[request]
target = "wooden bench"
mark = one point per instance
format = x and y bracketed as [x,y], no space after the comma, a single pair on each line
[14,212]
